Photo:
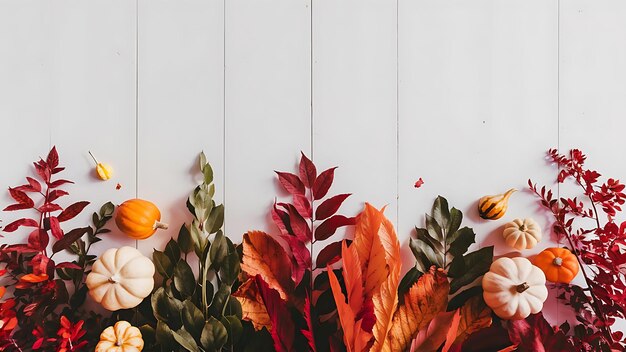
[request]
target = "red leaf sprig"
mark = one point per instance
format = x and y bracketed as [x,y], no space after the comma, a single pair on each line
[600,249]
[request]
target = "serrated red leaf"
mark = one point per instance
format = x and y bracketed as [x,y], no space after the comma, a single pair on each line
[283,328]
[281,219]
[14,207]
[298,224]
[330,254]
[21,197]
[20,222]
[302,258]
[53,158]
[58,183]
[55,227]
[68,265]
[34,184]
[303,206]
[330,206]
[42,170]
[308,172]
[330,225]
[323,183]
[290,182]
[38,239]
[50,207]
[71,211]
[56,194]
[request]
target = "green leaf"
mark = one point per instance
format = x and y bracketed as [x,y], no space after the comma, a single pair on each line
[465,269]
[407,281]
[202,160]
[234,308]
[220,300]
[233,327]
[193,318]
[163,264]
[216,219]
[184,240]
[441,212]
[231,266]
[148,334]
[218,251]
[425,255]
[184,280]
[185,340]
[164,335]
[434,229]
[207,171]
[459,300]
[172,251]
[460,241]
[199,241]
[425,237]
[214,335]
[107,209]
[166,308]
[456,217]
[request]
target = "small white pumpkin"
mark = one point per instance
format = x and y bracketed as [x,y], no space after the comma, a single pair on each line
[514,288]
[121,278]
[522,233]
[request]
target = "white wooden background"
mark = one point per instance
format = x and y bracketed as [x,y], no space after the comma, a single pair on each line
[467,95]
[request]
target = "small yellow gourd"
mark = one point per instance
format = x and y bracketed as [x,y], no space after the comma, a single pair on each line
[494,207]
[104,171]
[522,233]
[122,337]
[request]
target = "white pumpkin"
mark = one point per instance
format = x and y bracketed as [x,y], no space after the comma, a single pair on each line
[514,288]
[121,278]
[522,233]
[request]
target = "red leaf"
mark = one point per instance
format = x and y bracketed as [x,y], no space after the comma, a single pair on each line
[535,334]
[330,225]
[323,183]
[53,158]
[283,328]
[308,173]
[21,197]
[56,194]
[40,264]
[20,248]
[419,183]
[34,185]
[303,206]
[14,207]
[69,238]
[299,226]
[50,207]
[330,254]
[302,258]
[308,332]
[58,183]
[38,239]
[281,219]
[68,265]
[72,211]
[290,182]
[55,227]
[330,206]
[56,170]
[42,170]
[21,222]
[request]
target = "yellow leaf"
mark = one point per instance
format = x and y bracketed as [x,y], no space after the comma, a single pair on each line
[424,300]
[252,306]
[475,315]
[263,256]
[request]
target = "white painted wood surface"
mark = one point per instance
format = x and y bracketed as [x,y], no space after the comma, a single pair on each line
[467,95]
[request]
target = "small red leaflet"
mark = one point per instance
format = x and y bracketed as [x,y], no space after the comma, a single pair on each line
[419,183]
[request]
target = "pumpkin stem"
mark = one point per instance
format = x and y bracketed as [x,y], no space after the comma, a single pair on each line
[114,279]
[160,225]
[522,287]
[557,261]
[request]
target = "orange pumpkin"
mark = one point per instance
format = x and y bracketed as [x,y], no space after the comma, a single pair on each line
[138,218]
[559,264]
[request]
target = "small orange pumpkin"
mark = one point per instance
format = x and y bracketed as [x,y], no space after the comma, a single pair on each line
[138,218]
[559,264]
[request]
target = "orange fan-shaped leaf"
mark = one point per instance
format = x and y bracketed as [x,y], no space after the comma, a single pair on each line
[263,256]
[475,315]
[252,306]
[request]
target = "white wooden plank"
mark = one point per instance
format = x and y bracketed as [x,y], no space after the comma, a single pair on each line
[24,97]
[267,104]
[477,107]
[93,94]
[592,93]
[180,104]
[354,99]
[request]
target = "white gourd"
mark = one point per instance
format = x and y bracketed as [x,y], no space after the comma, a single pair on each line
[522,233]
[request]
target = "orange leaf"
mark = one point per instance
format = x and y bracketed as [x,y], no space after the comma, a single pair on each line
[441,328]
[346,315]
[424,300]
[475,315]
[263,256]
[252,306]
[352,276]
[2,291]
[32,278]
[370,249]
